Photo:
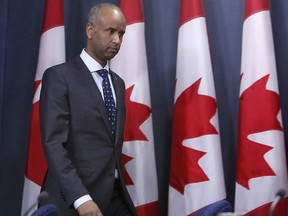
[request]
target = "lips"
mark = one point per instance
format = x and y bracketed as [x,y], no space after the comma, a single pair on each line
[113,49]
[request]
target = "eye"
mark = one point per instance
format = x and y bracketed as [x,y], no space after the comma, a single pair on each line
[110,30]
[121,34]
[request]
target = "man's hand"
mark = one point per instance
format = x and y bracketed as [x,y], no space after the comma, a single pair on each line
[89,208]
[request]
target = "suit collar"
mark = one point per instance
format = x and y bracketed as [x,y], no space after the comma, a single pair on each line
[91,63]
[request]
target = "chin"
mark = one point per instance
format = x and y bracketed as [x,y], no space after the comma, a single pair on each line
[111,56]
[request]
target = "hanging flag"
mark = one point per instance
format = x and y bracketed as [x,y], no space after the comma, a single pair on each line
[138,149]
[261,163]
[196,173]
[51,52]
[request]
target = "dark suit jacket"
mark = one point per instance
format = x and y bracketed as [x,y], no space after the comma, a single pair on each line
[76,134]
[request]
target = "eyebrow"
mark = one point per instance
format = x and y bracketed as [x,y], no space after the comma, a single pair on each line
[112,28]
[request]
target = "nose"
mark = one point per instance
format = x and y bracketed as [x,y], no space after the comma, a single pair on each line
[117,38]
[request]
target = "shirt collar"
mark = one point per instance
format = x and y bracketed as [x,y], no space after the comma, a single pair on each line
[91,64]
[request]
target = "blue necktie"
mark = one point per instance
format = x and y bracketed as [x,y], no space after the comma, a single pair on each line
[108,99]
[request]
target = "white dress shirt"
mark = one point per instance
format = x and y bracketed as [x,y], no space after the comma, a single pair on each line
[94,66]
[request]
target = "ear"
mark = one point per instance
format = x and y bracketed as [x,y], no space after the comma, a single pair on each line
[89,30]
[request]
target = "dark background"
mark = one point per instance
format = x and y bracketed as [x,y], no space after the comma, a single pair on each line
[20,30]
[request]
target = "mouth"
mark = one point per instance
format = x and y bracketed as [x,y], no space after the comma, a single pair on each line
[113,49]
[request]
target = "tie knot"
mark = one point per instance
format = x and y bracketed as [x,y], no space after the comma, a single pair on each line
[103,73]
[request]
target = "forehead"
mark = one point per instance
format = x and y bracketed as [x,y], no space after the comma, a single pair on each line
[111,17]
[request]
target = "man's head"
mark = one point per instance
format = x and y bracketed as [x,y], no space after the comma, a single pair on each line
[105,29]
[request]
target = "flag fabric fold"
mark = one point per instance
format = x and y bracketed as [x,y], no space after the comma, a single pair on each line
[261,160]
[196,172]
[51,52]
[138,148]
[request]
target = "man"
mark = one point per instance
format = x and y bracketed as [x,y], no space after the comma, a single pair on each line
[82,131]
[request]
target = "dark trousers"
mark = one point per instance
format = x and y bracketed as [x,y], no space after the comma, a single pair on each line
[118,206]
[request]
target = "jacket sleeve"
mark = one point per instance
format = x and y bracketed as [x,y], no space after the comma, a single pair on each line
[54,122]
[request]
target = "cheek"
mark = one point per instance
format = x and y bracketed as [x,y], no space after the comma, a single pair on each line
[103,41]
[98,43]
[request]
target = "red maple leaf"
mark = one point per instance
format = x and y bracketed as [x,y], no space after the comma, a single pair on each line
[127,178]
[136,114]
[257,113]
[191,119]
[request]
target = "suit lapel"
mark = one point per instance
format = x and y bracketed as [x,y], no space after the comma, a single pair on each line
[88,81]
[120,105]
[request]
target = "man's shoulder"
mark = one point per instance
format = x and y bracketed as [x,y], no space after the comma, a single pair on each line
[74,62]
[64,69]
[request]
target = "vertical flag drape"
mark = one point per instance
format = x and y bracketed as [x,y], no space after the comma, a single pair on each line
[138,149]
[196,173]
[261,163]
[51,52]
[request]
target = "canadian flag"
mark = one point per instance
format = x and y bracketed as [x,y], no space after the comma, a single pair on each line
[196,173]
[51,52]
[138,149]
[261,163]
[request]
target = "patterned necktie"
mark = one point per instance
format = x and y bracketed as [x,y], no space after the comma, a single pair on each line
[108,99]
